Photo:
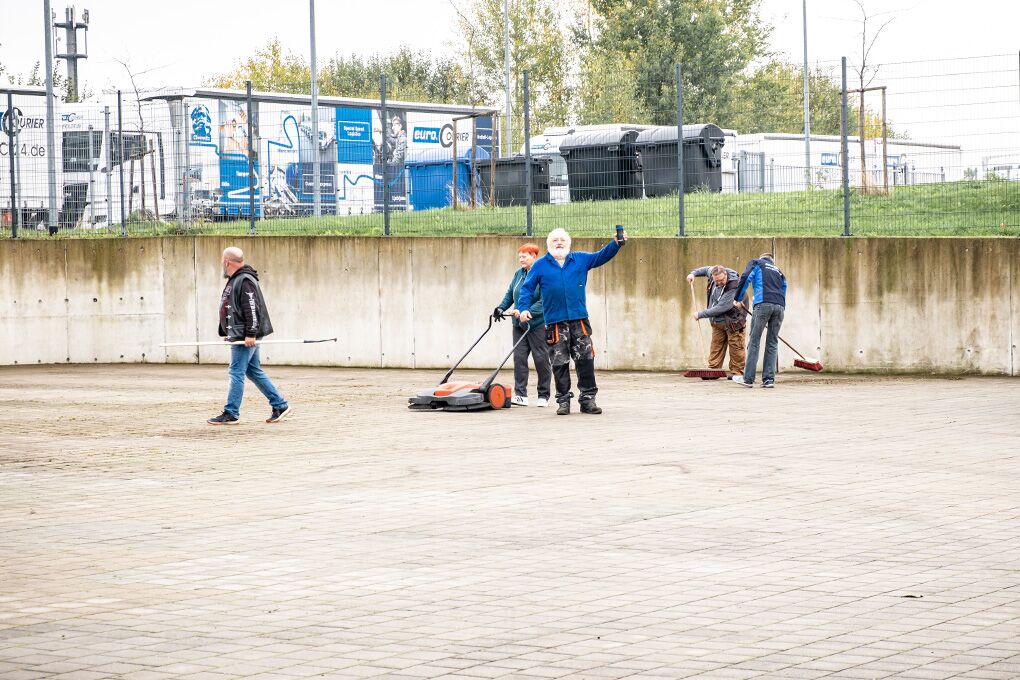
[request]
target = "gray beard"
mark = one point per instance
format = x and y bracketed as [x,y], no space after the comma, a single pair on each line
[226,274]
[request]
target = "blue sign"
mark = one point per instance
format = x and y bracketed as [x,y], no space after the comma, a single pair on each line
[428,135]
[354,136]
[830,158]
[201,124]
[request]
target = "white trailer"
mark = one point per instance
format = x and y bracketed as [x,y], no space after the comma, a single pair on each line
[90,161]
[774,162]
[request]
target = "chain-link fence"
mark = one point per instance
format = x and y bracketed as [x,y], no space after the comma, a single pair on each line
[911,148]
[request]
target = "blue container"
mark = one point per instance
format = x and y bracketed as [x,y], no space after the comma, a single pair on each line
[430,174]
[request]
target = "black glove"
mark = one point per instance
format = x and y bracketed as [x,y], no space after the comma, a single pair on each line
[497,314]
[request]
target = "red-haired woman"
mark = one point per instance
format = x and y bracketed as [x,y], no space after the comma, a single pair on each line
[534,344]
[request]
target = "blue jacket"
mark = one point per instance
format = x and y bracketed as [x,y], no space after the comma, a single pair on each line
[513,293]
[768,281]
[563,288]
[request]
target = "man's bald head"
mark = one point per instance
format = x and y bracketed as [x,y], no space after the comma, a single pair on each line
[232,260]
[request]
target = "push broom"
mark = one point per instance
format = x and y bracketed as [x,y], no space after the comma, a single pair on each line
[815,366]
[803,362]
[703,373]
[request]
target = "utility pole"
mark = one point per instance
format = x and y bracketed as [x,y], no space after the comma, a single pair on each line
[807,111]
[51,130]
[316,170]
[72,55]
[508,150]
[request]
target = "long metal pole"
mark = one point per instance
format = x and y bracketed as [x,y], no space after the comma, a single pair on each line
[382,154]
[12,124]
[251,161]
[316,170]
[107,169]
[92,179]
[51,130]
[680,152]
[846,156]
[807,111]
[527,150]
[507,148]
[120,147]
[885,147]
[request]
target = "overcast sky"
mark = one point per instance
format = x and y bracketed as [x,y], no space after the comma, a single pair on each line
[187,41]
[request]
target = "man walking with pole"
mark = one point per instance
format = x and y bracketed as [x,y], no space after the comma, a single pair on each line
[243,317]
[562,276]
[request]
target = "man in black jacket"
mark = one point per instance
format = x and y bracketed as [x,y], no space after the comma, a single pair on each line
[728,321]
[243,316]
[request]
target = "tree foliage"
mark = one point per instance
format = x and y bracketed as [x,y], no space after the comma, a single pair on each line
[639,42]
[537,44]
[410,75]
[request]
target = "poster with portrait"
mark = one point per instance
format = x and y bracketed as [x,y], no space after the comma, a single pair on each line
[389,150]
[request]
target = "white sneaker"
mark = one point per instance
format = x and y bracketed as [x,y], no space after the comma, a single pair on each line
[739,379]
[542,403]
[519,400]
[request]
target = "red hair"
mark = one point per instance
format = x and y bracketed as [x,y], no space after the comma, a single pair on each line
[529,248]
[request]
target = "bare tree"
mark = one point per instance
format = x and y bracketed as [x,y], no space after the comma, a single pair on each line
[133,77]
[866,73]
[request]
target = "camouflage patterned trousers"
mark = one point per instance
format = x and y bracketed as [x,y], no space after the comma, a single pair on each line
[572,340]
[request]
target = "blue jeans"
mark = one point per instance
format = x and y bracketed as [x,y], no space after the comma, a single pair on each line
[765,314]
[244,361]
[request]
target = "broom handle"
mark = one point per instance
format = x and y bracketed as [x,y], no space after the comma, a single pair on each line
[701,336]
[223,343]
[785,342]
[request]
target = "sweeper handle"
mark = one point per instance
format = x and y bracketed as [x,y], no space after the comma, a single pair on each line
[701,335]
[224,343]
[446,378]
[488,381]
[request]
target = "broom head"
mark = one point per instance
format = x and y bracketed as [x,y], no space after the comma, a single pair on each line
[705,373]
[815,366]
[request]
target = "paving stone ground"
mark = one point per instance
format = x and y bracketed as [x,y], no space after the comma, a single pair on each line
[833,527]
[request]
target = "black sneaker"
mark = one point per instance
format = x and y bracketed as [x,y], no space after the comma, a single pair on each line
[590,407]
[279,414]
[769,383]
[564,408]
[224,419]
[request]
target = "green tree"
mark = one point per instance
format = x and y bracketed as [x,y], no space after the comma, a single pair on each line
[270,69]
[537,44]
[771,99]
[410,75]
[714,40]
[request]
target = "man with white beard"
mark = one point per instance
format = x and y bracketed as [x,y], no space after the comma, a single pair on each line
[562,276]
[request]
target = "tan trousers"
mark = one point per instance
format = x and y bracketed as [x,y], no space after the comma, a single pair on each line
[723,339]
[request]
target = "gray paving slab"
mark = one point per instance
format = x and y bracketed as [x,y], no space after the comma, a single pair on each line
[841,527]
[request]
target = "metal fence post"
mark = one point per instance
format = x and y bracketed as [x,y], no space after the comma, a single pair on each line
[382,154]
[680,153]
[527,150]
[843,142]
[251,163]
[92,178]
[12,124]
[108,170]
[120,147]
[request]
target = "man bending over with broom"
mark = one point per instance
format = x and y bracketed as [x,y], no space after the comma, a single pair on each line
[728,321]
[563,276]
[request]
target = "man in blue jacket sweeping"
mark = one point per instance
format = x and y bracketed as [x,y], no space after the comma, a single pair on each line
[562,276]
[769,285]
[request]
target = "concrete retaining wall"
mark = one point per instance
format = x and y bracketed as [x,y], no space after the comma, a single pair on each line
[942,305]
